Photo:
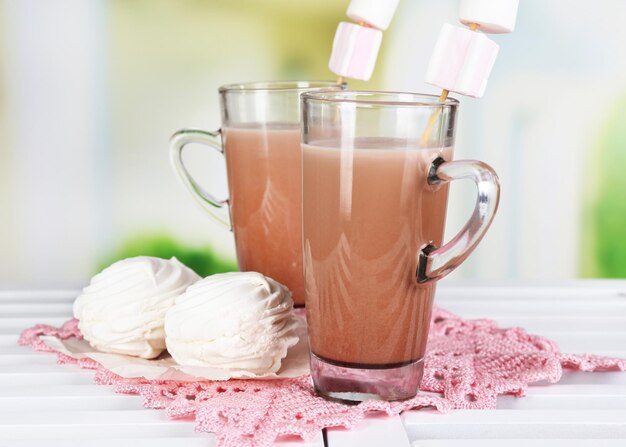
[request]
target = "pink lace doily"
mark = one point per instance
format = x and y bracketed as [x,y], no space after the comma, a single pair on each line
[469,363]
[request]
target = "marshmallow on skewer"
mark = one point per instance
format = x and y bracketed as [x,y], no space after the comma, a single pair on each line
[462,61]
[376,13]
[355,50]
[491,16]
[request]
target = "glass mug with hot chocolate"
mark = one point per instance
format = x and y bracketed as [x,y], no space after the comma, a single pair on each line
[376,169]
[260,139]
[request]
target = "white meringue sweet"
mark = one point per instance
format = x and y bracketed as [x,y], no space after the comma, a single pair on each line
[240,321]
[122,310]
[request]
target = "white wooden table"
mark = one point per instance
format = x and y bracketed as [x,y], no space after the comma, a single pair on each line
[42,403]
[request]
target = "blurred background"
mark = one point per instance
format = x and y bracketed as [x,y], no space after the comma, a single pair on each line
[91,90]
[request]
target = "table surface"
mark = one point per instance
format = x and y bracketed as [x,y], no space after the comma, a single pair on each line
[59,404]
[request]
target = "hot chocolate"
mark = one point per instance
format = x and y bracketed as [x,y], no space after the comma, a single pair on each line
[264,180]
[367,213]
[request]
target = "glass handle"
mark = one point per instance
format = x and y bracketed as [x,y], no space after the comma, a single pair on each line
[217,208]
[435,263]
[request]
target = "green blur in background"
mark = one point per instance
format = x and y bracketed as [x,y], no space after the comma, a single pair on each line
[289,26]
[604,246]
[202,259]
[156,67]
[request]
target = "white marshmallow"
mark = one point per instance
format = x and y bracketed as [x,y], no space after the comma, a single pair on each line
[122,310]
[462,61]
[355,50]
[491,16]
[377,13]
[238,321]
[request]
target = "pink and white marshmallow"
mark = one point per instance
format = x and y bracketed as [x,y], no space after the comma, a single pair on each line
[462,61]
[491,16]
[376,13]
[355,50]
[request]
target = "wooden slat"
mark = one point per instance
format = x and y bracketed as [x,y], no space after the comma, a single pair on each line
[41,400]
[567,397]
[59,377]
[15,325]
[580,317]
[39,369]
[533,290]
[60,404]
[38,296]
[29,309]
[51,390]
[557,308]
[534,402]
[8,340]
[194,440]
[504,442]
[34,404]
[516,424]
[32,358]
[13,349]
[372,432]
[43,425]
[545,323]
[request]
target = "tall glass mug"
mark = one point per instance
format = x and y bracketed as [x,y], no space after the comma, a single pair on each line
[260,138]
[376,168]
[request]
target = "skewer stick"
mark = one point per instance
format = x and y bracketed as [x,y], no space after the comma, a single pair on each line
[444,95]
[339,80]
[433,120]
[442,98]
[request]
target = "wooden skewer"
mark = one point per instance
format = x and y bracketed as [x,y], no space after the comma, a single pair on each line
[432,120]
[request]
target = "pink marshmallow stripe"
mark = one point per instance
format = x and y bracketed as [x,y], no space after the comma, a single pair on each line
[462,61]
[355,50]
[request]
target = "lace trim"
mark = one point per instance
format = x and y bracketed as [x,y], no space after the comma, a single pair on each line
[469,363]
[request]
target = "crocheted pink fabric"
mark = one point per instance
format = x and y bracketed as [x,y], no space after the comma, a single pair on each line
[469,363]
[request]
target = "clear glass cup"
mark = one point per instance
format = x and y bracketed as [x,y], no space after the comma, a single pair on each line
[376,168]
[260,139]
